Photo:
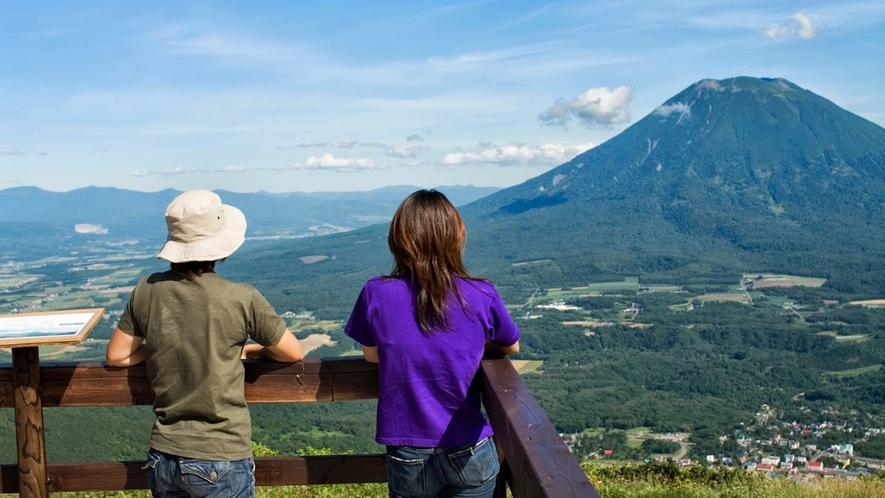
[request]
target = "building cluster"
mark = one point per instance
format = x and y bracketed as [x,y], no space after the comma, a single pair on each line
[781,447]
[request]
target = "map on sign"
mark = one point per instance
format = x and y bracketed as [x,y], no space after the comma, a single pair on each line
[52,327]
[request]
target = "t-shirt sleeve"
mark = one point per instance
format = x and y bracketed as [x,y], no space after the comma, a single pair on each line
[127,321]
[358,326]
[504,331]
[267,327]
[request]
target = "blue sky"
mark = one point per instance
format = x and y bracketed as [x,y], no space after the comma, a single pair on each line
[307,96]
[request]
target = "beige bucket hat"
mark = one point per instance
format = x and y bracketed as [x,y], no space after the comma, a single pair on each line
[201,228]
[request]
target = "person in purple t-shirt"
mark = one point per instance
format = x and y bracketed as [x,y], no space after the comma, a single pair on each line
[427,326]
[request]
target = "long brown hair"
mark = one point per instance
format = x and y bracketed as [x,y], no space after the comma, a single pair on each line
[426,238]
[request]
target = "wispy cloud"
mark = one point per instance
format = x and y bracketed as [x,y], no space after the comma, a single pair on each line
[181,171]
[800,25]
[414,138]
[403,151]
[666,110]
[11,152]
[160,172]
[195,39]
[492,55]
[517,154]
[596,106]
[330,162]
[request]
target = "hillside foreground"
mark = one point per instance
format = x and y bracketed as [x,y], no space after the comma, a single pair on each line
[644,480]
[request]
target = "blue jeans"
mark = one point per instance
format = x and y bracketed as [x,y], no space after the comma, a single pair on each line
[171,476]
[450,472]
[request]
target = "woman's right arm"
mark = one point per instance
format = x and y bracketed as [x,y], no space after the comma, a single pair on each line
[493,348]
[370,353]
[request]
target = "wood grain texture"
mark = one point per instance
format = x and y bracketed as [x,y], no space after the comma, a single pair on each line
[540,463]
[269,471]
[29,422]
[94,384]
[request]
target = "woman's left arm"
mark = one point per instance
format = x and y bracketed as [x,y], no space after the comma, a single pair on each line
[125,350]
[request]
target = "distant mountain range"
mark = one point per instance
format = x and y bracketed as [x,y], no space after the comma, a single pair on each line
[733,175]
[55,221]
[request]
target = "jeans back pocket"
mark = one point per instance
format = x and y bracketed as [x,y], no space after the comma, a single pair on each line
[477,464]
[405,473]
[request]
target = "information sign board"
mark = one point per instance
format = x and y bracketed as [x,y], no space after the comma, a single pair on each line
[50,327]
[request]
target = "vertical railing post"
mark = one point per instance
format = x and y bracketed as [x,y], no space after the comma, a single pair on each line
[29,422]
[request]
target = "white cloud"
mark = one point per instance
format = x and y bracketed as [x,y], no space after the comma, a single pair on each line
[518,154]
[11,152]
[403,150]
[330,162]
[679,107]
[596,106]
[800,24]
[232,169]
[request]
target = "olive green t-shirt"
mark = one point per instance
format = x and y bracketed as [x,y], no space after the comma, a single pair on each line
[194,332]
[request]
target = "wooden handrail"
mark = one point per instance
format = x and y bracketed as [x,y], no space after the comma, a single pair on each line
[540,463]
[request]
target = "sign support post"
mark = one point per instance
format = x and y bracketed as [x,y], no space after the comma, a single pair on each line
[24,333]
[32,481]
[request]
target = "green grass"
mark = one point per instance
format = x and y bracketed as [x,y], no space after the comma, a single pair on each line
[841,374]
[629,284]
[645,480]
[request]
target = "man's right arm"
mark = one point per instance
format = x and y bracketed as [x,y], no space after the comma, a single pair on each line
[287,350]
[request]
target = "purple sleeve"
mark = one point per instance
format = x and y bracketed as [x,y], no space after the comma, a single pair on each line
[358,326]
[504,331]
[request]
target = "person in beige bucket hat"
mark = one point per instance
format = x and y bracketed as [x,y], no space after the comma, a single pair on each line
[201,228]
[190,327]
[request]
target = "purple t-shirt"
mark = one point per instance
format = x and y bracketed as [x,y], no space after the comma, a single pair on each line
[428,396]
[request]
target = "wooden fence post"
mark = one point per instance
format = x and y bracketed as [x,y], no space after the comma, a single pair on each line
[29,422]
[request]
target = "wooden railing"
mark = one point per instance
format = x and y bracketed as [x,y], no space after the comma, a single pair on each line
[536,462]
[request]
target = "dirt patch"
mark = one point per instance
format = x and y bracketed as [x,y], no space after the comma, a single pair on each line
[312,259]
[314,341]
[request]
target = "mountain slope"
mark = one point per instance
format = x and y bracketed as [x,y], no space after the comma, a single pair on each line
[734,175]
[726,175]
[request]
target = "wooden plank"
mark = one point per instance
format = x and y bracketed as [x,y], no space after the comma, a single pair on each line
[313,380]
[539,461]
[269,471]
[29,422]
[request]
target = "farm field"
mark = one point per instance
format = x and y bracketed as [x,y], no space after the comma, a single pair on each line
[527,366]
[872,303]
[762,280]
[737,297]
